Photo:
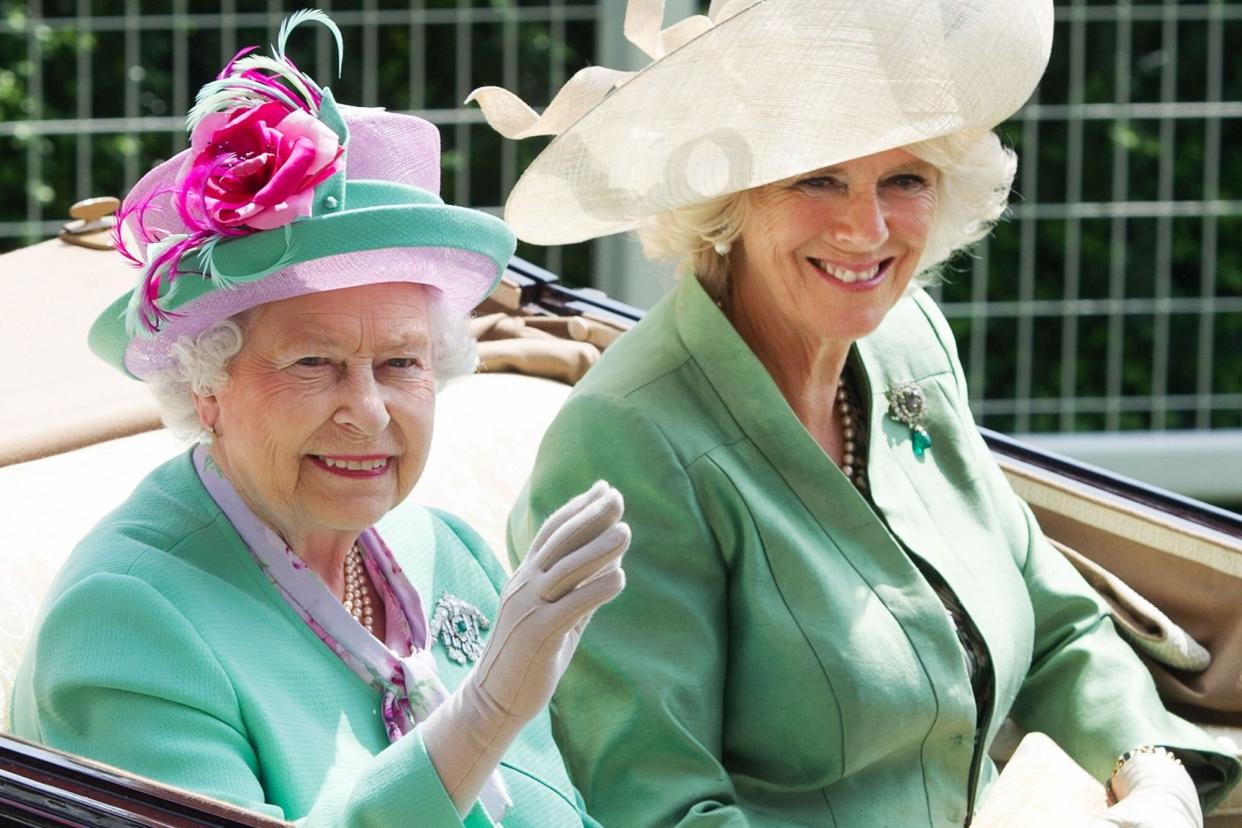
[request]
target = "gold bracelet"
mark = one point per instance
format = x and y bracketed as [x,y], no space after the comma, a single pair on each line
[1153,750]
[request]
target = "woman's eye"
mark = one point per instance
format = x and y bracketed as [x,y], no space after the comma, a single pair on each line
[908,183]
[820,183]
[312,362]
[403,363]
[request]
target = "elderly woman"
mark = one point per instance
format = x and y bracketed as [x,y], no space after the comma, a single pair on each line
[241,626]
[834,599]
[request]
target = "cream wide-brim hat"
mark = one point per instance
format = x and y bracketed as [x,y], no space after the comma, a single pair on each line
[755,92]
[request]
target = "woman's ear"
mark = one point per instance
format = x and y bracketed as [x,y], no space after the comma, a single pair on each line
[208,408]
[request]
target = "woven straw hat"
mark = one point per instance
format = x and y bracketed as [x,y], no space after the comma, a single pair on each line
[375,216]
[755,92]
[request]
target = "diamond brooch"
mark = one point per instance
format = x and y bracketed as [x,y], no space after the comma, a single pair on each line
[457,624]
[907,405]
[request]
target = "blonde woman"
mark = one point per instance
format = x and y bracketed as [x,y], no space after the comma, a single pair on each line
[834,599]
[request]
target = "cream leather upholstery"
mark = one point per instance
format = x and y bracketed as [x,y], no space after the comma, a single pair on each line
[488,427]
[67,397]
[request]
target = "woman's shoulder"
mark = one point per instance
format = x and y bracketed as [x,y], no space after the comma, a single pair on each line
[919,311]
[133,585]
[167,511]
[676,418]
[457,532]
[649,351]
[163,501]
[649,390]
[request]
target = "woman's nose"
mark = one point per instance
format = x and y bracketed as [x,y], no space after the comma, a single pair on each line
[859,221]
[362,407]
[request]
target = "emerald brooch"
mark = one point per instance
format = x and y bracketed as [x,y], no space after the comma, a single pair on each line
[907,406]
[457,624]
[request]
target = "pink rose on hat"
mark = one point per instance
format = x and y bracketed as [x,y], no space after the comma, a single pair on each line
[255,168]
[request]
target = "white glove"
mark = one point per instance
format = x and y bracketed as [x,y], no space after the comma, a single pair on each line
[572,568]
[1153,791]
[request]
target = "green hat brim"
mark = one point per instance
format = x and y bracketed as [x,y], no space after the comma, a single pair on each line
[380,215]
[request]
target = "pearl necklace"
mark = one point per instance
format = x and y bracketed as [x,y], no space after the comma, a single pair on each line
[854,458]
[357,599]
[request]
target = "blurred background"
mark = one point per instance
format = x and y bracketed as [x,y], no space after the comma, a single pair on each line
[1103,319]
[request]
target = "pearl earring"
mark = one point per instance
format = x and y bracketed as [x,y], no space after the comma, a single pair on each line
[208,437]
[723,248]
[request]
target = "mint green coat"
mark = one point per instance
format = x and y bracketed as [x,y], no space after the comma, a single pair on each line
[166,651]
[776,658]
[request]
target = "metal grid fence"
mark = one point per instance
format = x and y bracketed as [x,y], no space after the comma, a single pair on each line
[1118,282]
[99,88]
[1114,283]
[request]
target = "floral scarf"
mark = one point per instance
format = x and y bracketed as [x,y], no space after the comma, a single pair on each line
[408,684]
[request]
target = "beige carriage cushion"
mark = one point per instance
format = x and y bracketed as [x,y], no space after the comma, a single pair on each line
[52,502]
[488,427]
[60,396]
[1193,573]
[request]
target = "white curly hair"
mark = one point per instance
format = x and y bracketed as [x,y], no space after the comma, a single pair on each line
[976,172]
[201,363]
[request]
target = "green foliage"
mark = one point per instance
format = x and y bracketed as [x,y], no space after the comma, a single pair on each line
[1103,350]
[417,69]
[55,70]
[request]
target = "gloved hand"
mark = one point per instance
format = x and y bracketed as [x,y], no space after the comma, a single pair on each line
[572,568]
[1153,791]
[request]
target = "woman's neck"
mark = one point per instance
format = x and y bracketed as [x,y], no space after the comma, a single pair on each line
[324,552]
[321,549]
[807,371]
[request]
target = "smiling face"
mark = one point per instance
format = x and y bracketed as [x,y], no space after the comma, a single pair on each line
[326,422]
[825,255]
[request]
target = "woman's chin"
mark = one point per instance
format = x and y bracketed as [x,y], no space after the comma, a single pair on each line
[850,323]
[345,511]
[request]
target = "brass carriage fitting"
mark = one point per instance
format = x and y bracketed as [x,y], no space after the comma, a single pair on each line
[92,222]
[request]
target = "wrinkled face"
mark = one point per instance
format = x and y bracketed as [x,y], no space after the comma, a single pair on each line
[327,420]
[827,254]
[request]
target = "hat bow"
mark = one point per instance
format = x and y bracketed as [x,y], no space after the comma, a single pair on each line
[514,118]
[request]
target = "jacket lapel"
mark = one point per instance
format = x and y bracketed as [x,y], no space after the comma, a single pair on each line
[933,503]
[822,506]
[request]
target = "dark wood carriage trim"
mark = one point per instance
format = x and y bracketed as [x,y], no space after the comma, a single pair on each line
[542,292]
[1095,478]
[43,787]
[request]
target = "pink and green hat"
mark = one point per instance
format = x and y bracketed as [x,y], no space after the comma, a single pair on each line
[284,192]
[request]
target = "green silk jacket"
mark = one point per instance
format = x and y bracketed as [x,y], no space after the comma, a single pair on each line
[776,658]
[165,650]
